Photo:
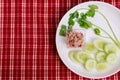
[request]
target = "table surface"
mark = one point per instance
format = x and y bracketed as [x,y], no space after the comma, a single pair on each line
[27,40]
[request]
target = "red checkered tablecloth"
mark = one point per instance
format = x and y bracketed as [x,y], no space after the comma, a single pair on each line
[27,40]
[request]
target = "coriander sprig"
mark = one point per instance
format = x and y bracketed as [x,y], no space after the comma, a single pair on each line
[82,20]
[71,20]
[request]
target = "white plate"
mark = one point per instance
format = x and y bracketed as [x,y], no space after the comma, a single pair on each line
[113,15]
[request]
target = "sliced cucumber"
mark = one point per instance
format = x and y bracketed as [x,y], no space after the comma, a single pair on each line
[90,64]
[105,54]
[73,57]
[111,48]
[111,58]
[83,57]
[100,57]
[102,66]
[99,44]
[90,48]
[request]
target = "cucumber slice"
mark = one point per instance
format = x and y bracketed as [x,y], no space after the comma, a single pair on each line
[73,57]
[103,52]
[99,44]
[100,57]
[111,58]
[102,67]
[90,48]
[111,48]
[83,57]
[90,64]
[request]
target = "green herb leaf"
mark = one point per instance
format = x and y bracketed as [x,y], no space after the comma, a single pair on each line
[63,30]
[74,15]
[93,6]
[83,16]
[97,31]
[70,27]
[71,22]
[80,22]
[90,13]
[84,24]
[87,24]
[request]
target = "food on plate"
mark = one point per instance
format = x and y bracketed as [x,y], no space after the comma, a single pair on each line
[90,48]
[111,48]
[102,52]
[101,57]
[73,56]
[63,30]
[102,67]
[79,57]
[111,58]
[97,54]
[90,64]
[82,19]
[99,44]
[75,38]
[83,57]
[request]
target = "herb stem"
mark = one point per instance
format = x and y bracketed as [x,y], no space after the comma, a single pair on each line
[109,25]
[107,34]
[104,36]
[116,41]
[83,9]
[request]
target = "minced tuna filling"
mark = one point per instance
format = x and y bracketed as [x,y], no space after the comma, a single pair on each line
[75,39]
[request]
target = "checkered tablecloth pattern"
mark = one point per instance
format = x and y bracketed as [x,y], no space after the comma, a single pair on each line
[27,40]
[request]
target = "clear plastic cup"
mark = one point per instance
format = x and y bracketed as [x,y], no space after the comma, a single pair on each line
[75,38]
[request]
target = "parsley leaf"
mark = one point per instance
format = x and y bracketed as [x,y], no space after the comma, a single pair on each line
[83,16]
[84,23]
[93,6]
[90,13]
[71,22]
[70,27]
[74,15]
[63,30]
[81,20]
[97,31]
